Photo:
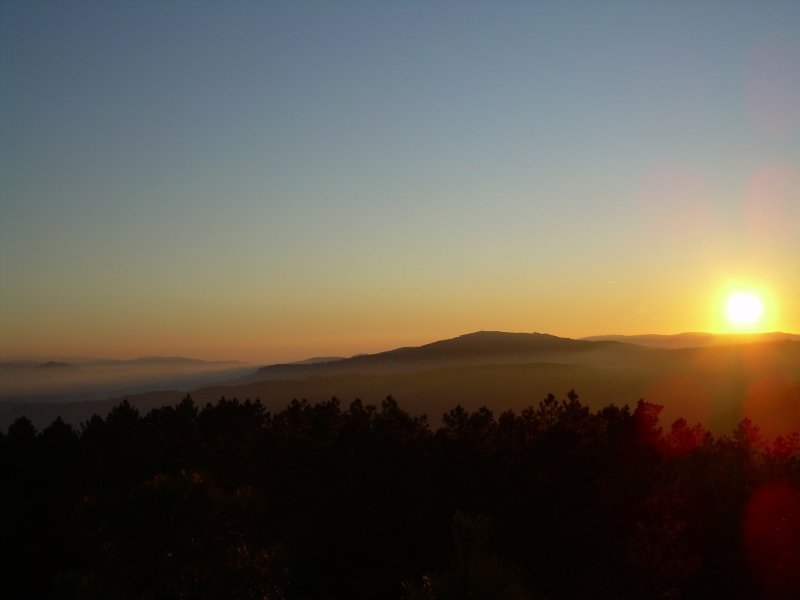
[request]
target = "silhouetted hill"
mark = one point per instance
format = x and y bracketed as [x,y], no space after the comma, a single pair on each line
[483,344]
[716,385]
[59,380]
[50,365]
[88,361]
[695,339]
[483,347]
[318,359]
[177,360]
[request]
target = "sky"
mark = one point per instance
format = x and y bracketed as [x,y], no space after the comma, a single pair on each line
[269,181]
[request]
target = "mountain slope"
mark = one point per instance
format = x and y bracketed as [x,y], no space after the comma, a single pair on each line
[483,347]
[695,339]
[717,385]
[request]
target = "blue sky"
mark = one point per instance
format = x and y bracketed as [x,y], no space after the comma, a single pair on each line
[265,180]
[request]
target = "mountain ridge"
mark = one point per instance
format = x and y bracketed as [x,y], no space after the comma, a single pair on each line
[694,339]
[470,348]
[716,385]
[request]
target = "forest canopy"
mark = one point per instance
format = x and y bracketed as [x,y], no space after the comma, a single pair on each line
[363,501]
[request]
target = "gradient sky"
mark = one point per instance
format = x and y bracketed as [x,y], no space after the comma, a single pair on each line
[270,180]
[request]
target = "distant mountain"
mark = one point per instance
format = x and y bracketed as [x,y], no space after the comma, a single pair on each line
[492,343]
[58,380]
[715,380]
[156,361]
[55,365]
[716,385]
[482,347]
[317,359]
[168,360]
[695,339]
[79,361]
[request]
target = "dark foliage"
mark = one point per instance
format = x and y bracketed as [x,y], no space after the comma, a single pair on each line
[323,501]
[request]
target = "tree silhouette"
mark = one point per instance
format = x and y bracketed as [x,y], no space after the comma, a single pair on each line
[364,501]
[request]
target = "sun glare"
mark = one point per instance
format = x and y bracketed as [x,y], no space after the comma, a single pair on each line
[744,309]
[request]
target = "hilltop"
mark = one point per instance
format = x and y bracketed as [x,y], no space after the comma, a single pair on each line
[478,348]
[52,364]
[716,384]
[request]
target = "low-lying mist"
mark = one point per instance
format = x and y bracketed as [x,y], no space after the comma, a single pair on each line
[96,379]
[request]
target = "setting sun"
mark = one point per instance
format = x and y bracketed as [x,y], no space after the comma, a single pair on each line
[744,309]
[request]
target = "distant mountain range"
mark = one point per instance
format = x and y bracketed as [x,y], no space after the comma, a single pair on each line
[716,380]
[485,347]
[695,340]
[713,379]
[60,380]
[317,359]
[56,365]
[482,347]
[89,361]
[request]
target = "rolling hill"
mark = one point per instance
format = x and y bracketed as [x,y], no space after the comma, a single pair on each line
[479,348]
[695,339]
[714,384]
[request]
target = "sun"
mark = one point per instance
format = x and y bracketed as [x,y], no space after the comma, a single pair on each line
[744,309]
